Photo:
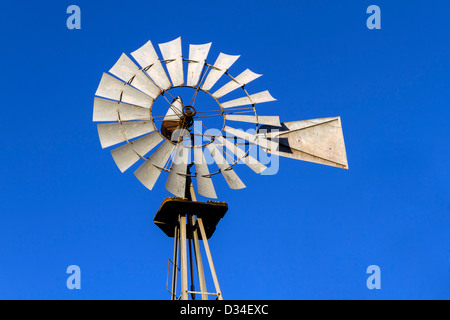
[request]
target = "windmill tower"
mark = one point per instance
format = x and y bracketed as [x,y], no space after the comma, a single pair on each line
[176,139]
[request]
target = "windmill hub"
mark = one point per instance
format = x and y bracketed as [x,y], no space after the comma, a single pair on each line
[188,116]
[189,111]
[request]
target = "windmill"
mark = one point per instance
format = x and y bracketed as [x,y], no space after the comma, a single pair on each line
[175,139]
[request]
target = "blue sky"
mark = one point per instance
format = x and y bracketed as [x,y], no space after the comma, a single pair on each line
[308,232]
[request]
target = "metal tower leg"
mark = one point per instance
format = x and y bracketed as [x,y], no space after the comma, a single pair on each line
[198,255]
[183,254]
[175,261]
[210,260]
[198,260]
[186,227]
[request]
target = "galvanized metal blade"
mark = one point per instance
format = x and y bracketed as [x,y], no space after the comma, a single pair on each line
[205,185]
[246,158]
[114,89]
[150,170]
[241,80]
[222,64]
[148,59]
[230,176]
[114,133]
[126,70]
[176,182]
[252,99]
[254,139]
[171,52]
[108,110]
[270,120]
[197,59]
[128,154]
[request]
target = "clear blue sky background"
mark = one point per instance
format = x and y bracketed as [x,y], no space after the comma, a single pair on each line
[308,232]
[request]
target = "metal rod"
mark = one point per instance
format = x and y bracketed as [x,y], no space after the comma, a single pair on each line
[204,293]
[175,262]
[235,111]
[191,264]
[167,280]
[210,260]
[184,276]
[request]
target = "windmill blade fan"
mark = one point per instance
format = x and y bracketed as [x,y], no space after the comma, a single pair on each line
[157,129]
